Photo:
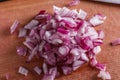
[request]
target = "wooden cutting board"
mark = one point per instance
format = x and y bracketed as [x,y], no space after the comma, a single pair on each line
[25,10]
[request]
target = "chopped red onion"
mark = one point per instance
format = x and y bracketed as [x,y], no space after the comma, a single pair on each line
[51,75]
[96,49]
[116,42]
[7,76]
[77,64]
[21,51]
[104,75]
[84,57]
[23,71]
[53,71]
[41,46]
[48,77]
[82,14]
[22,32]
[63,50]
[93,62]
[45,68]
[31,24]
[101,34]
[97,19]
[101,66]
[74,2]
[64,39]
[75,51]
[28,45]
[14,26]
[33,53]
[66,70]
[37,70]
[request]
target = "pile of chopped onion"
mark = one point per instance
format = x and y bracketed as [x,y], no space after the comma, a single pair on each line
[65,39]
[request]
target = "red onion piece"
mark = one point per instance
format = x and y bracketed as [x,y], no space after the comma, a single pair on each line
[21,51]
[97,19]
[7,76]
[75,51]
[116,42]
[37,70]
[14,26]
[96,49]
[77,64]
[63,50]
[53,71]
[22,32]
[104,75]
[74,2]
[101,66]
[45,68]
[31,24]
[66,70]
[23,71]
[48,77]
[101,34]
[33,53]
[82,14]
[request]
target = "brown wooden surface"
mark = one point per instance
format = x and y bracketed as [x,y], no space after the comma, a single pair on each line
[24,10]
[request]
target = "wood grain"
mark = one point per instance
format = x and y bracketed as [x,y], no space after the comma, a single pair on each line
[25,10]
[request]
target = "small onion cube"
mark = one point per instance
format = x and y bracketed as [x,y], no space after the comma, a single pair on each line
[63,50]
[97,20]
[96,49]
[31,24]
[75,51]
[82,14]
[101,34]
[21,51]
[84,57]
[104,75]
[23,71]
[22,32]
[37,70]
[78,63]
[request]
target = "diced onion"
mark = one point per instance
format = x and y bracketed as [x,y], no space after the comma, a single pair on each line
[65,40]
[23,71]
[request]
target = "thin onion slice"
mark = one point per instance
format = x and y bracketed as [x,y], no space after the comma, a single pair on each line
[14,26]
[116,42]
